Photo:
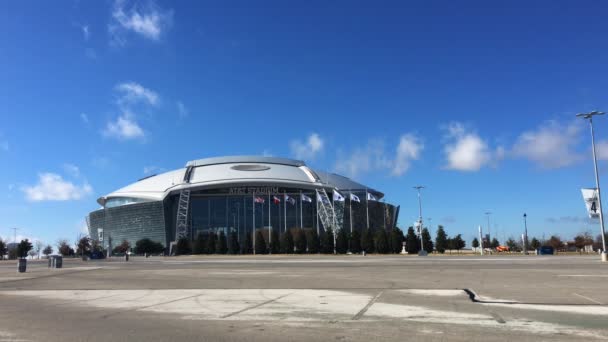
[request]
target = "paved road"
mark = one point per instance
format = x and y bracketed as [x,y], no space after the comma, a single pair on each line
[308,298]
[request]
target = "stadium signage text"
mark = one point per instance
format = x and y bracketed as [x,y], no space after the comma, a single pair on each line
[263,190]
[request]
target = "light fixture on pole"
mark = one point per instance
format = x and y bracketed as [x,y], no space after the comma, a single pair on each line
[589,116]
[422,251]
[525,234]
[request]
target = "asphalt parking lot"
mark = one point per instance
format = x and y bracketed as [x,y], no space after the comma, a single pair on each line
[308,298]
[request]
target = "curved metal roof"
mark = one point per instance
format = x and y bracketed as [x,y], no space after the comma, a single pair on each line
[236,171]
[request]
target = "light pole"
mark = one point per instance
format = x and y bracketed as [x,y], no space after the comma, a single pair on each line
[422,251]
[590,116]
[525,235]
[489,230]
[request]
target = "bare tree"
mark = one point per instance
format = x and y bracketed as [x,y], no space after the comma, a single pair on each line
[39,246]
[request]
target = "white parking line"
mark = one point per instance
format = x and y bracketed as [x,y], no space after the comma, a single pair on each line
[589,299]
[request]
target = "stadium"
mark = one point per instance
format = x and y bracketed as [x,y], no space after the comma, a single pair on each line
[237,195]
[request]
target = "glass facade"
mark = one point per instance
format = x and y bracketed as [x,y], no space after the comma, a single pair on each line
[235,210]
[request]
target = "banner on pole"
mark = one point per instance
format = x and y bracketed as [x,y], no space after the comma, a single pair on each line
[590,197]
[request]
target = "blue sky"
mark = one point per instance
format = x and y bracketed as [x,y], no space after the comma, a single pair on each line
[473,99]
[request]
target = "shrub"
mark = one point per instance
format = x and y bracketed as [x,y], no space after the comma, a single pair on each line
[260,244]
[147,246]
[183,247]
[312,241]
[287,242]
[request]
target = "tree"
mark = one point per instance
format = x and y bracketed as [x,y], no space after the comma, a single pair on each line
[211,242]
[23,248]
[275,243]
[84,246]
[367,241]
[355,242]
[312,241]
[327,242]
[475,243]
[287,242]
[233,243]
[124,247]
[441,240]
[396,239]
[511,244]
[198,246]
[458,243]
[299,241]
[63,247]
[535,244]
[147,246]
[48,250]
[451,245]
[183,246]
[555,242]
[3,249]
[495,243]
[341,242]
[381,242]
[412,245]
[39,246]
[428,242]
[582,240]
[221,246]
[248,246]
[260,244]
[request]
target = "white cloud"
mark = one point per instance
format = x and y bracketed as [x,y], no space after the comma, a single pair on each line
[408,149]
[148,170]
[72,170]
[86,32]
[552,145]
[133,92]
[374,157]
[124,128]
[307,150]
[467,151]
[52,187]
[147,20]
[84,117]
[601,148]
[182,111]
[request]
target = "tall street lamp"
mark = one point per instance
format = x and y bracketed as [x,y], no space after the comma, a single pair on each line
[489,230]
[422,251]
[589,116]
[525,235]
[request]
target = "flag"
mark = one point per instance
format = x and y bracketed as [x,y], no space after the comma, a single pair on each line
[306,198]
[258,199]
[276,200]
[371,197]
[338,197]
[290,200]
[355,198]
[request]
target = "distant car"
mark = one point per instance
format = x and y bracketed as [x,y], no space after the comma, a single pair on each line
[503,249]
[97,255]
[546,250]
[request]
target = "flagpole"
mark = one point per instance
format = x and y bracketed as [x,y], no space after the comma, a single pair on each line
[367,207]
[350,211]
[253,228]
[334,228]
[301,209]
[285,211]
[317,211]
[269,232]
